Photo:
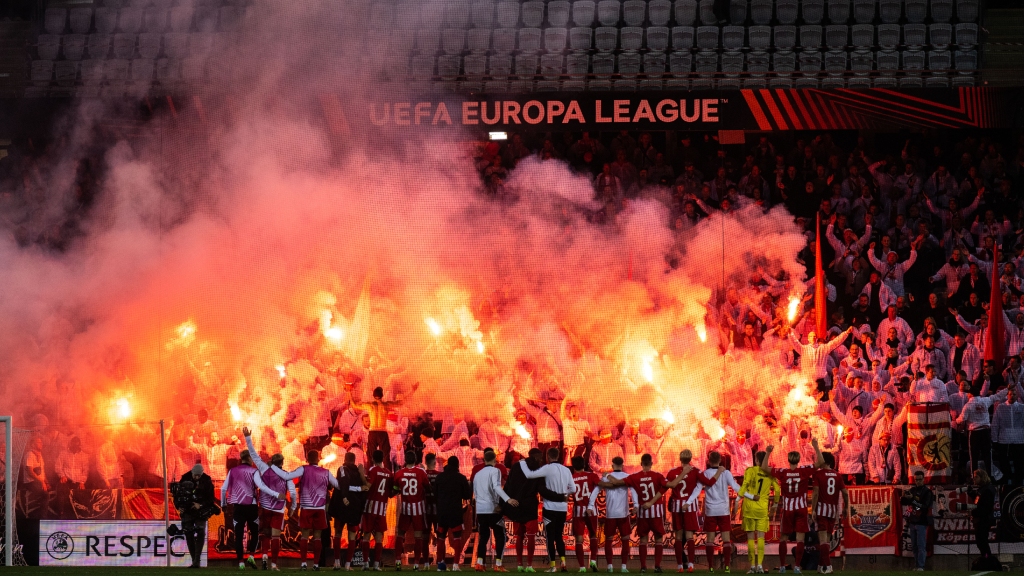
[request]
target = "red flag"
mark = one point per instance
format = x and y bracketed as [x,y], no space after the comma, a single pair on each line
[995,347]
[821,322]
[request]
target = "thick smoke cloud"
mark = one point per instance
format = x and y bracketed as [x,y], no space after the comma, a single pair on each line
[226,245]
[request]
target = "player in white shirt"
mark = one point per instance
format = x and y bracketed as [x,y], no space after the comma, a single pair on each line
[617,507]
[717,510]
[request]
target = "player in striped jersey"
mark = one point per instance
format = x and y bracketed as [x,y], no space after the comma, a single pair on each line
[380,489]
[650,487]
[430,518]
[825,509]
[313,484]
[683,481]
[412,484]
[795,482]
[756,510]
[584,516]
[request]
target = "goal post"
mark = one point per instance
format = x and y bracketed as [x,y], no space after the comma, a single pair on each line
[8,543]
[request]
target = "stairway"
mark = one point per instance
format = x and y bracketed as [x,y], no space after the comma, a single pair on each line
[1002,63]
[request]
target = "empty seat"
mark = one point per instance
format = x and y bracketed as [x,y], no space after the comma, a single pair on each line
[940,35]
[200,44]
[942,10]
[836,36]
[581,38]
[604,64]
[529,39]
[863,35]
[685,12]
[888,35]
[474,66]
[890,11]
[407,15]
[838,11]
[550,66]
[106,20]
[780,83]
[81,20]
[98,46]
[175,45]
[786,11]
[608,12]
[965,59]
[91,71]
[940,60]
[634,12]
[707,37]
[503,40]
[628,63]
[812,11]
[913,60]
[861,61]
[558,13]
[657,38]
[508,14]
[914,34]
[532,14]
[453,40]
[682,37]
[680,62]
[966,34]
[149,45]
[428,40]
[449,66]
[810,36]
[833,83]
[41,72]
[606,38]
[659,12]
[761,11]
[74,46]
[864,11]
[48,45]
[54,20]
[732,37]
[599,85]
[835,61]
[116,70]
[809,61]
[583,12]
[655,63]
[967,10]
[555,39]
[917,10]
[755,83]
[963,81]
[631,38]
[785,37]
[206,19]
[154,19]
[887,60]
[760,37]
[66,72]
[421,67]
[729,84]
[884,82]
[703,84]
[858,83]
[706,9]
[784,61]
[141,70]
[627,85]
[936,82]
[911,82]
[757,61]
[478,39]
[806,83]
[456,13]
[654,83]
[577,64]
[499,65]
[732,62]
[706,62]
[482,14]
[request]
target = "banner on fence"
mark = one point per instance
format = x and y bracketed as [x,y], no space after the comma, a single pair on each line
[110,543]
[872,526]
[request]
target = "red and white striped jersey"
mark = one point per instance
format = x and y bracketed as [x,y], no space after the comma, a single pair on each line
[830,488]
[381,491]
[586,482]
[431,500]
[681,493]
[413,485]
[647,485]
[313,486]
[794,484]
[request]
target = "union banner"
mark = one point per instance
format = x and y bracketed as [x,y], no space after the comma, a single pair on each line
[871,527]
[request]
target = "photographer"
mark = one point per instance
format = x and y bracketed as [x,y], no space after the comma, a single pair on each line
[196,502]
[983,515]
[920,498]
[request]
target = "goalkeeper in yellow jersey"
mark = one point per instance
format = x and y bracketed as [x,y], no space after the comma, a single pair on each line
[757,485]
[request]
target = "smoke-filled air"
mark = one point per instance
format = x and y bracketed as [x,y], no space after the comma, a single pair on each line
[252,261]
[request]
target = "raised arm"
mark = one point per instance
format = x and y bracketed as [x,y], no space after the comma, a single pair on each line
[260,464]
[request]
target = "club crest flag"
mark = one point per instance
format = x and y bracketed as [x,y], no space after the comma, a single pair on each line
[928,442]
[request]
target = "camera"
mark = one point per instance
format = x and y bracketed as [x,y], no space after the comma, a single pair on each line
[183,495]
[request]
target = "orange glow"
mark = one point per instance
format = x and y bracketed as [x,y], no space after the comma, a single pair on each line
[702,332]
[794,303]
[521,431]
[124,409]
[434,326]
